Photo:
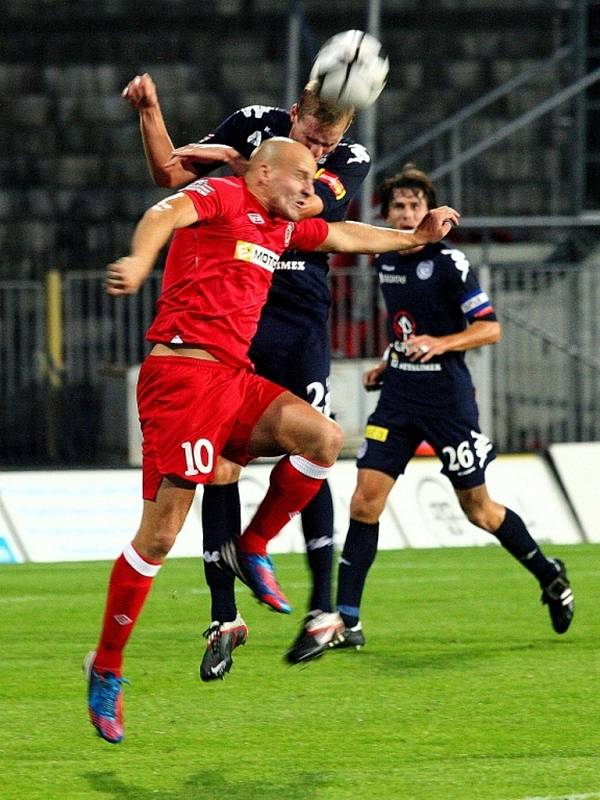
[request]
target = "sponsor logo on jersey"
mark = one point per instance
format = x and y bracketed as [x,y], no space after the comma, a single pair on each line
[460,262]
[256,218]
[425,270]
[255,254]
[392,278]
[201,186]
[331,180]
[298,266]
[407,366]
[359,154]
[255,111]
[403,325]
[376,432]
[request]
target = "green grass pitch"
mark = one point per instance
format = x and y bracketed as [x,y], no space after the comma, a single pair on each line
[463,691]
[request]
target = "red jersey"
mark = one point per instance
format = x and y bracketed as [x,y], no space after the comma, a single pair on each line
[219,269]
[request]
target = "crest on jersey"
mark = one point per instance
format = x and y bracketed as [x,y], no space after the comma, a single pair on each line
[331,180]
[288,233]
[425,269]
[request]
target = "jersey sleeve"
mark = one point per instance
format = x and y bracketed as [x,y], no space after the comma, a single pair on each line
[474,302]
[205,194]
[308,234]
[339,179]
[230,132]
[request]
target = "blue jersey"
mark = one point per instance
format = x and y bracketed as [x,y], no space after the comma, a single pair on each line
[300,280]
[433,292]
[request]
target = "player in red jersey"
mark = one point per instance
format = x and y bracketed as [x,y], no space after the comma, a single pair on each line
[198,397]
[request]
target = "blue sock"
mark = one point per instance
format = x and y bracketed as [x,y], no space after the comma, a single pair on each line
[360,549]
[221,520]
[514,537]
[317,525]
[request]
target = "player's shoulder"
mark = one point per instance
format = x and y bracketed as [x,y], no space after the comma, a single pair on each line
[349,152]
[229,190]
[452,258]
[266,115]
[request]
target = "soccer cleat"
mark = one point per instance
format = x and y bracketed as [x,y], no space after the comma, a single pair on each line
[223,638]
[558,596]
[350,637]
[105,701]
[318,630]
[257,572]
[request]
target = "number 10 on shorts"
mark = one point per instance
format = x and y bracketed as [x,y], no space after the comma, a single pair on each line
[199,457]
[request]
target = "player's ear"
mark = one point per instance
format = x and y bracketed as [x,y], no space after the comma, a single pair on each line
[294,113]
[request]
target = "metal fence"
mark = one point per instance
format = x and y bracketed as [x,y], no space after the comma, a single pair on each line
[23,398]
[542,379]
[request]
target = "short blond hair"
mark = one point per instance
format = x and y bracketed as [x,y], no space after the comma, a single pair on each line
[326,112]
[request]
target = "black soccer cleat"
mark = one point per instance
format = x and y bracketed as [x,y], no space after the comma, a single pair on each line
[558,596]
[223,638]
[319,629]
[349,637]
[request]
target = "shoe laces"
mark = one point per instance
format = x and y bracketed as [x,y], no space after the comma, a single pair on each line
[110,688]
[213,635]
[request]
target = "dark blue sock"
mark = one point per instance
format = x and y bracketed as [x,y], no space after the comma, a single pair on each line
[317,526]
[360,549]
[514,537]
[221,520]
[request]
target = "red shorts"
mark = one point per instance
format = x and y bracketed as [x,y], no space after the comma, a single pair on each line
[191,411]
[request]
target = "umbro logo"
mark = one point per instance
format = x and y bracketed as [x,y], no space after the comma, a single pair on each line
[256,218]
[123,619]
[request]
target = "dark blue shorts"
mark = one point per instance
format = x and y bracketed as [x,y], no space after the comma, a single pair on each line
[389,444]
[293,351]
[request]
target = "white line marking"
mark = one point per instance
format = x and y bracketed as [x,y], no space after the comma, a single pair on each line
[589,796]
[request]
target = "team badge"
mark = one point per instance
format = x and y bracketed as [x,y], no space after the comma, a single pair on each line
[424,270]
[331,180]
[362,449]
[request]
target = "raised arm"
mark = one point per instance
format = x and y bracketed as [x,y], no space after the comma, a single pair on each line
[171,167]
[152,232]
[356,237]
[142,95]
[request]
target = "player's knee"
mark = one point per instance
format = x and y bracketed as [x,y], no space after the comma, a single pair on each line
[226,472]
[366,505]
[328,442]
[482,515]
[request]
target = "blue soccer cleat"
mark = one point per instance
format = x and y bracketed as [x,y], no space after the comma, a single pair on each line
[257,572]
[105,701]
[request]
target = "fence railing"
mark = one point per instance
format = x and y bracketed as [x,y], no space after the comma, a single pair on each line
[544,375]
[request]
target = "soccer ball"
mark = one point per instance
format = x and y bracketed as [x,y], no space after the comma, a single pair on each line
[351,69]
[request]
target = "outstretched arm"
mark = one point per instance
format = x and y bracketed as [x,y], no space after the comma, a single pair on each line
[356,237]
[152,232]
[481,332]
